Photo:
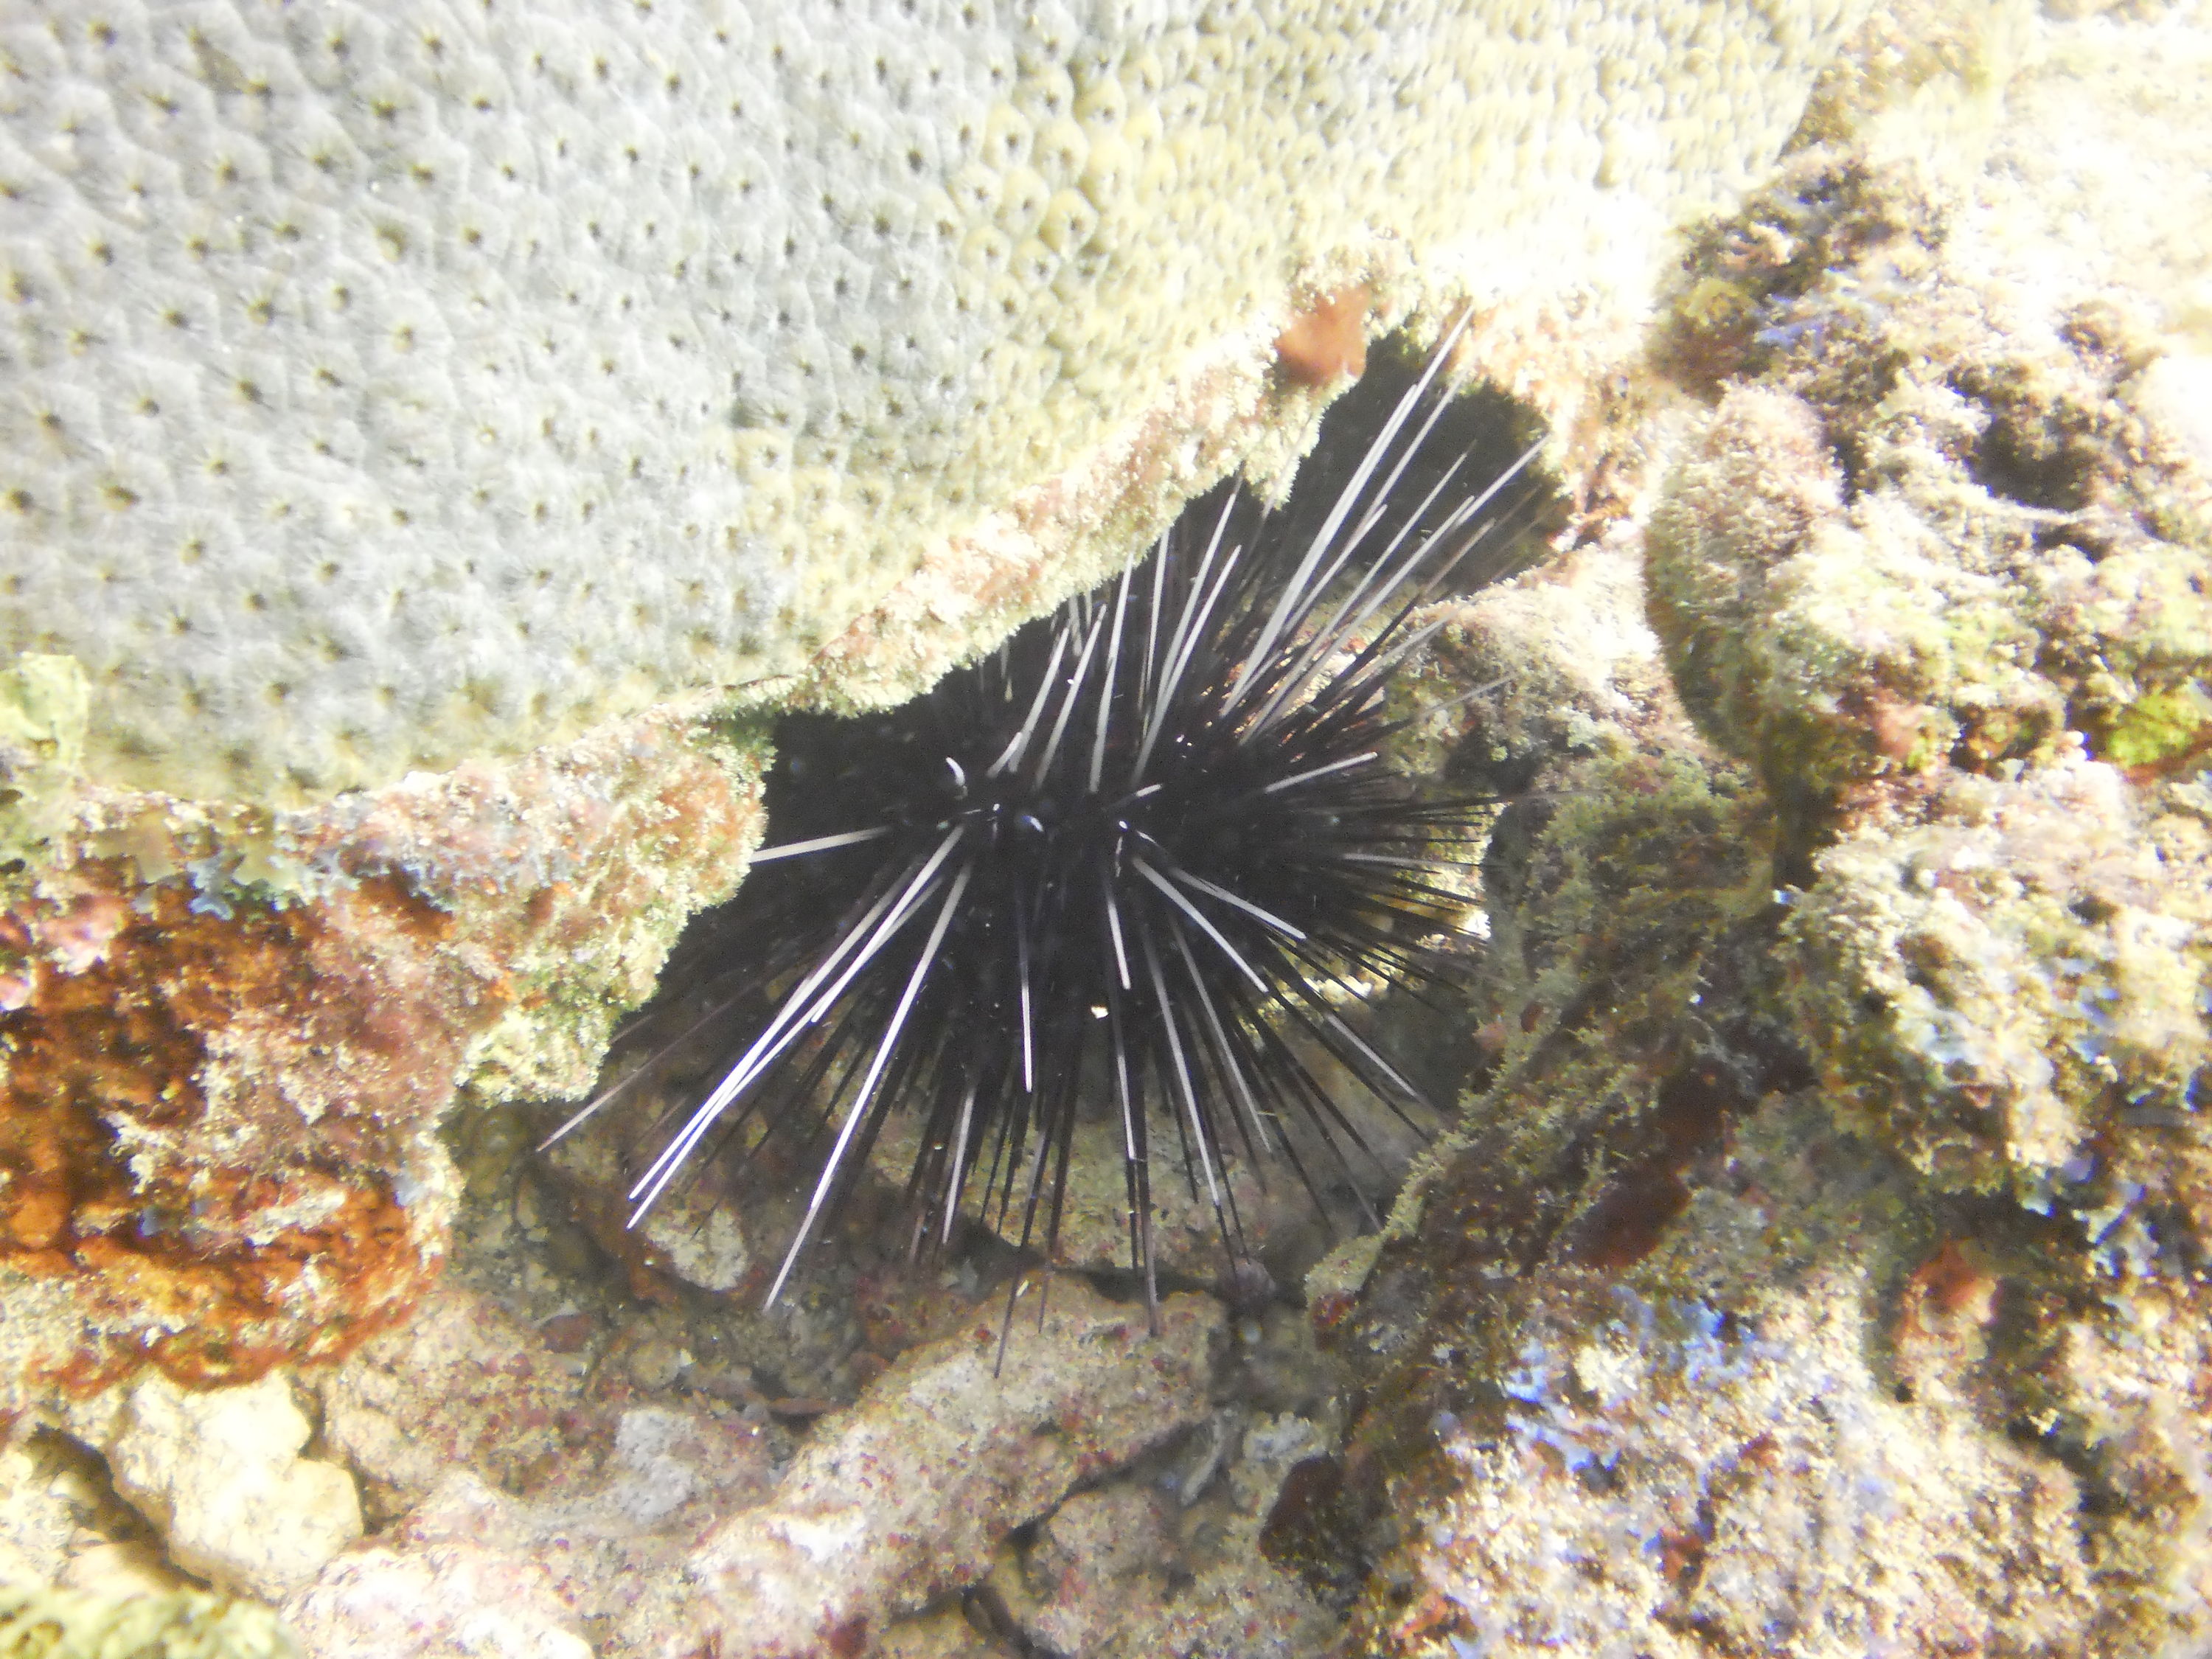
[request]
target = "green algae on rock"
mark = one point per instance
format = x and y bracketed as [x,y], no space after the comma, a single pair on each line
[2011,988]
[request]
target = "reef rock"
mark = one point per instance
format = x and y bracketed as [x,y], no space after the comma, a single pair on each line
[219,1472]
[219,1124]
[1943,572]
[662,1527]
[1818,1267]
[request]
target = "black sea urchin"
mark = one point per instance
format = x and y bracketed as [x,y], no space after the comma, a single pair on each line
[1135,858]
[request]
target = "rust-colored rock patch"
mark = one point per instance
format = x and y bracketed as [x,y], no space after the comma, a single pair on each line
[229,1039]
[216,1127]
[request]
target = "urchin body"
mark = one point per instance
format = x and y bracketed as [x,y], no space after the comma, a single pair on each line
[1135,860]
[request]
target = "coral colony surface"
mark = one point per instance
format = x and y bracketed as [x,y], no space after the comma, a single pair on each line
[439,445]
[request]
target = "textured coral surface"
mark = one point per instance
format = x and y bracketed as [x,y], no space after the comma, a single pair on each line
[391,385]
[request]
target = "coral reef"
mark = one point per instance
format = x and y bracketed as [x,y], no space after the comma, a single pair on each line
[517,395]
[1656,1353]
[1819,1266]
[394,387]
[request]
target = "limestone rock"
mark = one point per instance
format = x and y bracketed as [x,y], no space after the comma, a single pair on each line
[219,1474]
[461,1385]
[909,1494]
[660,1525]
[1109,1573]
[380,1602]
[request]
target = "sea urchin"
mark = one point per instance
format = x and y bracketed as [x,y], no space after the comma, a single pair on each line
[1135,860]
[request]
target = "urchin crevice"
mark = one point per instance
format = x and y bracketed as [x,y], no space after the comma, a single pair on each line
[1142,860]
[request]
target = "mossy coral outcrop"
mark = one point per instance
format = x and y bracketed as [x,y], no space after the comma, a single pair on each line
[1820,1266]
[1946,580]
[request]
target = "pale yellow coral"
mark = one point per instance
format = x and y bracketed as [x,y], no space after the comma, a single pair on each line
[390,384]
